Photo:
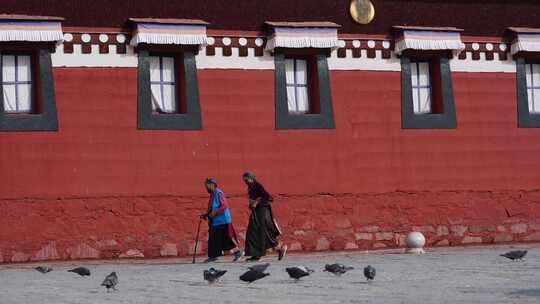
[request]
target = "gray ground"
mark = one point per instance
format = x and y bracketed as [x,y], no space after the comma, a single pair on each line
[462,275]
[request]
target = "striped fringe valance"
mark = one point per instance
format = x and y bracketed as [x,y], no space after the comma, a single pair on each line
[525,42]
[302,37]
[429,41]
[150,33]
[36,31]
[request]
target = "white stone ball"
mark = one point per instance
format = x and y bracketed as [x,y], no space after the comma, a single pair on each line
[415,240]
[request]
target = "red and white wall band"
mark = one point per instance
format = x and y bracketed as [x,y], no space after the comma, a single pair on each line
[248,52]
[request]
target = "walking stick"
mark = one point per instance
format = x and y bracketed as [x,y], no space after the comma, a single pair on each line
[197,240]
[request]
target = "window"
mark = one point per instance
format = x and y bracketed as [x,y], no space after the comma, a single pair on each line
[27,97]
[532,72]
[528,90]
[163,84]
[421,87]
[525,52]
[17,83]
[303,96]
[168,93]
[427,98]
[297,85]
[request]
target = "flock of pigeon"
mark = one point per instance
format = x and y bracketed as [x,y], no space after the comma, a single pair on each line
[110,281]
[257,272]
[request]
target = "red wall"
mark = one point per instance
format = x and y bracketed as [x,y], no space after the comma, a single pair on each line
[99,151]
[99,178]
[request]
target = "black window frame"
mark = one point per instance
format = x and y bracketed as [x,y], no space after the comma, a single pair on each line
[321,115]
[446,117]
[526,119]
[44,116]
[186,78]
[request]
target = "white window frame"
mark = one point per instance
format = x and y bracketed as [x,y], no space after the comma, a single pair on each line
[417,88]
[162,83]
[297,86]
[18,83]
[533,89]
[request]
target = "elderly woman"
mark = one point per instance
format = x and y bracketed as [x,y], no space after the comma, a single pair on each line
[221,236]
[262,232]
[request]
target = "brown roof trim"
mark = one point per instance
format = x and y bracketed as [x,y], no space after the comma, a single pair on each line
[168,21]
[529,30]
[426,28]
[303,24]
[95,30]
[28,17]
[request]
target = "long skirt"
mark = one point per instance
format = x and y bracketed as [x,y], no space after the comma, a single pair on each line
[221,238]
[262,231]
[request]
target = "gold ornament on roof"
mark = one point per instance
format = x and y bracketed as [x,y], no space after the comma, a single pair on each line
[362,11]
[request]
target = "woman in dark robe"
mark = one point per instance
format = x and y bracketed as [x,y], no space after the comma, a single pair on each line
[262,232]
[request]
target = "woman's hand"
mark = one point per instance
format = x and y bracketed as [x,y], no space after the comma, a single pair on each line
[253,204]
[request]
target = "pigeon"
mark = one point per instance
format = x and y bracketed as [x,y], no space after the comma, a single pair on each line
[259,267]
[82,271]
[212,275]
[515,254]
[297,272]
[43,269]
[337,269]
[253,275]
[369,272]
[110,281]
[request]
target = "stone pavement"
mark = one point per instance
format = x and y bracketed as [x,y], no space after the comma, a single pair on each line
[449,275]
